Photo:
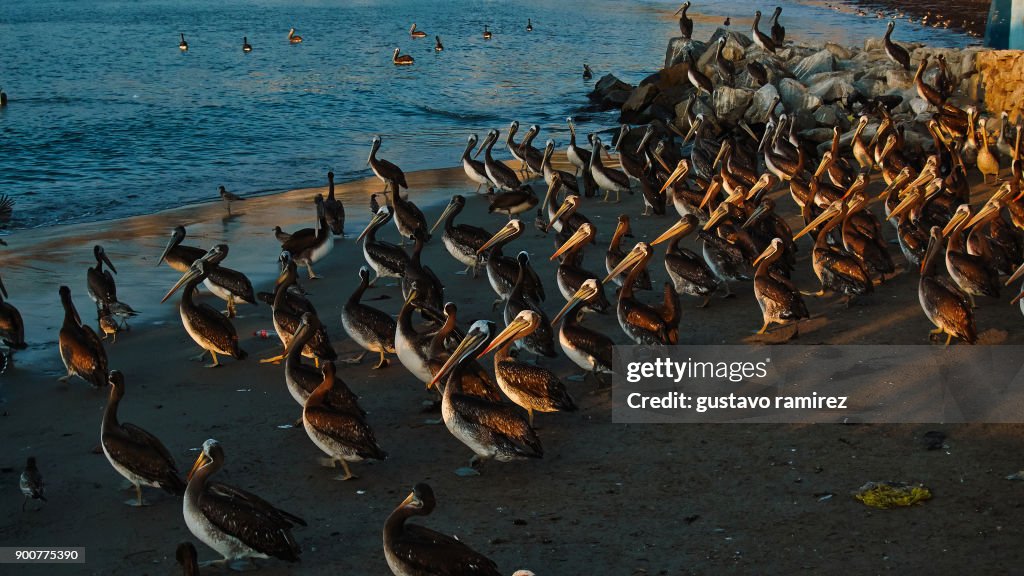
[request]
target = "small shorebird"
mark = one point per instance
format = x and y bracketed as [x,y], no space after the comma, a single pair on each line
[229,197]
[31,483]
[246,47]
[183,45]
[293,37]
[403,60]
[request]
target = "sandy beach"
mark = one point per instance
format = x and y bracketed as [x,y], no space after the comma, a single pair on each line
[605,499]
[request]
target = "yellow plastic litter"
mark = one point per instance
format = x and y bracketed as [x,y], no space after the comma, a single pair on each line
[891,494]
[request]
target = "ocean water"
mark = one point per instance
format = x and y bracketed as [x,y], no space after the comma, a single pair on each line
[107,118]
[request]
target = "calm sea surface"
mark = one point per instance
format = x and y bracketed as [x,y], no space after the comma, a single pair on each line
[107,118]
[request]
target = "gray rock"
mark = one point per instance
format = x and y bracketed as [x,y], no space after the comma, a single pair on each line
[919,105]
[816,63]
[610,92]
[831,115]
[634,109]
[741,40]
[795,97]
[838,51]
[874,44]
[819,135]
[679,47]
[731,103]
[832,89]
[762,99]
[899,79]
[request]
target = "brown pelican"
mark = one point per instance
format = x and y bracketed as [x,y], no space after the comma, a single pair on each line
[727,249]
[386,259]
[372,329]
[608,179]
[550,173]
[642,323]
[514,202]
[924,90]
[943,303]
[860,149]
[246,47]
[688,201]
[487,33]
[502,271]
[516,149]
[288,310]
[12,327]
[491,430]
[778,30]
[529,386]
[178,256]
[342,434]
[237,524]
[587,72]
[302,379]
[80,348]
[503,177]
[413,32]
[475,169]
[334,210]
[778,297]
[430,294]
[533,159]
[403,60]
[571,274]
[438,47]
[183,45]
[475,380]
[386,171]
[529,25]
[699,81]
[988,163]
[225,283]
[972,273]
[726,69]
[687,270]
[185,554]
[136,454]
[412,347]
[408,217]
[630,160]
[758,73]
[229,197]
[835,267]
[102,289]
[210,329]
[894,51]
[541,341]
[685,22]
[294,38]
[864,239]
[567,219]
[578,157]
[31,483]
[588,349]
[463,241]
[309,245]
[414,550]
[763,41]
[615,253]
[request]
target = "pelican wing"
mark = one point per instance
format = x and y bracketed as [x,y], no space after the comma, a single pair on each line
[347,428]
[252,520]
[537,382]
[425,551]
[503,420]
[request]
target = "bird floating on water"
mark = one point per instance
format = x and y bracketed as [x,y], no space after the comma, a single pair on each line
[413,32]
[246,47]
[438,47]
[529,25]
[487,33]
[183,45]
[293,37]
[403,60]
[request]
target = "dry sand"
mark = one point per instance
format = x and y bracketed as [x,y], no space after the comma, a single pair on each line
[606,498]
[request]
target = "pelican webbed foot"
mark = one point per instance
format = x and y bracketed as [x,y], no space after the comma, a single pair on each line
[817,294]
[383,362]
[472,469]
[356,359]
[216,362]
[274,360]
[348,475]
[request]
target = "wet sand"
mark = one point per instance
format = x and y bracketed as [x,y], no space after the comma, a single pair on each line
[605,499]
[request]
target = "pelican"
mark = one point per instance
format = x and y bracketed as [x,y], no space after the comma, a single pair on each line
[726,69]
[503,177]
[632,162]
[475,380]
[403,60]
[102,289]
[971,272]
[571,274]
[475,169]
[136,454]
[642,323]
[386,171]
[31,483]
[183,45]
[413,32]
[685,22]
[687,270]
[763,41]
[533,159]
[225,283]
[342,434]
[246,47]
[988,163]
[409,219]
[608,179]
[862,237]
[491,430]
[894,51]
[835,267]
[12,327]
[487,33]
[411,549]
[516,149]
[1013,278]
[372,329]
[179,257]
[515,202]
[237,524]
[294,38]
[80,348]
[778,297]
[587,72]
[229,197]
[615,253]
[463,241]
[778,30]
[302,379]
[699,81]
[411,346]
[578,157]
[589,349]
[567,218]
[687,201]
[438,47]
[210,329]
[943,303]
[288,309]
[502,271]
[541,341]
[430,298]
[334,210]
[310,245]
[386,259]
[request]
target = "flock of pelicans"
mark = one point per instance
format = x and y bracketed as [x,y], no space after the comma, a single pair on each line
[718,180]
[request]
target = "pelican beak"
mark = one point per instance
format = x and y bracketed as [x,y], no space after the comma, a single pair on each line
[1017,298]
[904,205]
[377,219]
[1013,278]
[486,141]
[412,297]
[628,261]
[584,294]
[763,183]
[189,274]
[562,210]
[465,348]
[822,166]
[199,463]
[897,183]
[408,500]
[3,289]
[958,217]
[447,210]
[510,333]
[170,244]
[721,152]
[107,262]
[553,188]
[581,236]
[681,228]
[758,212]
[681,170]
[821,219]
[713,187]
[769,251]
[746,128]
[507,231]
[692,130]
[299,334]
[643,141]
[721,212]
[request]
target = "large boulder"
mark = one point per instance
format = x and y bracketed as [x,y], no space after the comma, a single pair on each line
[840,52]
[821,61]
[678,49]
[610,92]
[668,77]
[634,110]
[832,89]
[731,103]
[758,111]
[899,79]
[795,97]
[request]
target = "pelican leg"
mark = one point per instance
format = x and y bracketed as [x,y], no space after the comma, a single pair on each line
[309,270]
[819,293]
[200,357]
[529,415]
[138,502]
[348,472]
[970,298]
[316,361]
[765,327]
[606,194]
[275,360]
[728,291]
[216,363]
[231,306]
[949,338]
[470,470]
[707,300]
[480,185]
[357,359]
[383,361]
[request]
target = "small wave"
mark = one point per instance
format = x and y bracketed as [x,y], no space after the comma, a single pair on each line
[471,116]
